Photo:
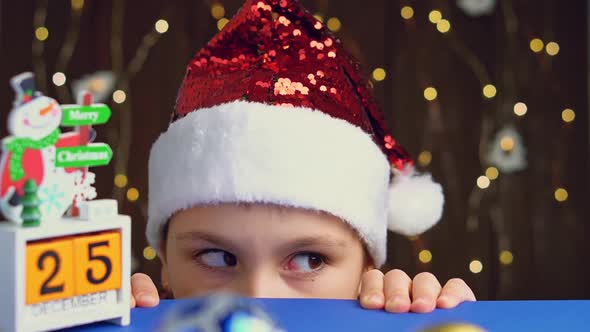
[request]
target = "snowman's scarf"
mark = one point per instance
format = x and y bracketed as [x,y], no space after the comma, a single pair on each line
[18,145]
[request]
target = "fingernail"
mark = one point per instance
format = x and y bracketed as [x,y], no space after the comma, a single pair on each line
[376,299]
[446,299]
[396,300]
[147,299]
[394,303]
[421,299]
[423,305]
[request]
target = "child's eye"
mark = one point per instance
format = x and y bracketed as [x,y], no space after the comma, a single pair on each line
[306,262]
[217,258]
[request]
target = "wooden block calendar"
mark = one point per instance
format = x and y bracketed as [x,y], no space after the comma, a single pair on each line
[64,257]
[65,273]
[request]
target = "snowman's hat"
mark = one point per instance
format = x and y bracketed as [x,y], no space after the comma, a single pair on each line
[25,88]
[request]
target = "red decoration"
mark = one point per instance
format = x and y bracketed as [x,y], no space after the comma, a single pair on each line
[275,52]
[84,137]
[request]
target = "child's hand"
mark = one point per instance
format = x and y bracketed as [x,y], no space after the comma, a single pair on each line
[143,291]
[396,292]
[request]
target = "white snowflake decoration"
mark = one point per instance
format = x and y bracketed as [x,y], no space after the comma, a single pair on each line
[477,8]
[55,194]
[83,189]
[52,197]
[100,84]
[508,161]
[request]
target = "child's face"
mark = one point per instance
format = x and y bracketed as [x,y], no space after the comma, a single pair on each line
[262,251]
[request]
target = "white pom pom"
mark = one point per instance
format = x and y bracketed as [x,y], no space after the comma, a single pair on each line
[415,203]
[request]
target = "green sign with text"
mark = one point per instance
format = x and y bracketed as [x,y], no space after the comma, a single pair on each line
[77,115]
[97,154]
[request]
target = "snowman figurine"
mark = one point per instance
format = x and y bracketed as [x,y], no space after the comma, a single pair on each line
[29,153]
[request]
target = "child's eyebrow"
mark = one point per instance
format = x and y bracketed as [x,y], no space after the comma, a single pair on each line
[196,235]
[302,242]
[308,241]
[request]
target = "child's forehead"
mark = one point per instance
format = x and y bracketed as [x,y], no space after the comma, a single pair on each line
[237,218]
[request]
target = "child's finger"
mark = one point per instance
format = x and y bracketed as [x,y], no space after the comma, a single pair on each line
[372,290]
[425,291]
[397,286]
[454,292]
[143,291]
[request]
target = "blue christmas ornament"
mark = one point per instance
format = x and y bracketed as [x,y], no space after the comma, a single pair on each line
[219,313]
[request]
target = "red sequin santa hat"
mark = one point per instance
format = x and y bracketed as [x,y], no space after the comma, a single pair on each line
[273,110]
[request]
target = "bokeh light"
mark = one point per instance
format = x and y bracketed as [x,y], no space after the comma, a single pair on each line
[475,266]
[507,143]
[425,256]
[430,93]
[552,48]
[407,12]
[425,158]
[120,180]
[506,257]
[119,96]
[41,33]
[221,23]
[568,115]
[161,26]
[492,173]
[59,79]
[77,4]
[443,26]
[483,182]
[132,194]
[435,16]
[379,74]
[561,195]
[334,24]
[536,45]
[149,253]
[217,11]
[520,109]
[489,91]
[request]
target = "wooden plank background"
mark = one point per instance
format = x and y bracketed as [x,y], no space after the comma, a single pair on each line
[517,212]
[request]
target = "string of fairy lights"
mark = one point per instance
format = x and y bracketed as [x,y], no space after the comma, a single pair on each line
[506,143]
[98,84]
[119,96]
